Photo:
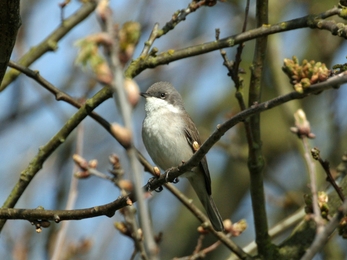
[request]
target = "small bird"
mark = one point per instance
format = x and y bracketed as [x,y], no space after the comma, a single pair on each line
[168,133]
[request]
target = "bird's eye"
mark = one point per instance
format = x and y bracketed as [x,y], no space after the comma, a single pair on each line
[162,95]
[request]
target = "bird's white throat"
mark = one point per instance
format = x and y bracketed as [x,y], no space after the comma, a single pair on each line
[160,106]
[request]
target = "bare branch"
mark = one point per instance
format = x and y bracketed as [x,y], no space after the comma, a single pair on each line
[72,197]
[313,184]
[329,178]
[310,21]
[46,150]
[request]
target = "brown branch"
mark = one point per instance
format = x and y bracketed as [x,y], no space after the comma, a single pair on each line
[177,17]
[310,21]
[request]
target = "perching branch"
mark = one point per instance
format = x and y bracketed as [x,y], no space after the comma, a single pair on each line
[109,209]
[192,162]
[60,95]
[240,117]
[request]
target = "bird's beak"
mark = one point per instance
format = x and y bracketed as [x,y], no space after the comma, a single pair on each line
[145,95]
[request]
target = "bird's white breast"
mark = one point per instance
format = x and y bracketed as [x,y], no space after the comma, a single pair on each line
[163,134]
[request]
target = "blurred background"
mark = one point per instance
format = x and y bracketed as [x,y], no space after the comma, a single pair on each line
[30,116]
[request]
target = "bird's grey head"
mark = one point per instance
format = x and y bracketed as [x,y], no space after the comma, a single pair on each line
[163,94]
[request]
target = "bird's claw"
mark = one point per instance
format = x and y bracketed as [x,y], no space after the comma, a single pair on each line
[167,177]
[159,189]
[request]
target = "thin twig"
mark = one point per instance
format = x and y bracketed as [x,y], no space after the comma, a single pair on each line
[99,174]
[73,192]
[199,244]
[211,247]
[152,37]
[235,70]
[130,218]
[180,16]
[121,100]
[313,184]
[200,254]
[329,178]
[177,17]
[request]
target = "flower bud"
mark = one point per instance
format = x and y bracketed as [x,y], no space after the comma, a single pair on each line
[126,185]
[80,161]
[122,134]
[132,90]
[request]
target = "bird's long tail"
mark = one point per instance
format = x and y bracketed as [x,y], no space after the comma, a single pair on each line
[207,201]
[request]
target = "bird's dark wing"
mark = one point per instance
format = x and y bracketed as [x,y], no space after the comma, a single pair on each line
[192,134]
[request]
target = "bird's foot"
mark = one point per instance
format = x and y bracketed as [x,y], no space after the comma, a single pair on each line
[150,181]
[175,180]
[167,176]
